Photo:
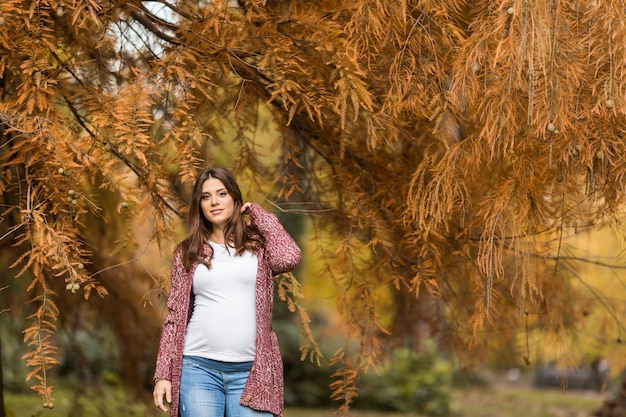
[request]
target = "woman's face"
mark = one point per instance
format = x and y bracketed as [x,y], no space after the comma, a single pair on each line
[216,203]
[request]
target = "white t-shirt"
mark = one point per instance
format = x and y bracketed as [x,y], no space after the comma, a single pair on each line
[223,322]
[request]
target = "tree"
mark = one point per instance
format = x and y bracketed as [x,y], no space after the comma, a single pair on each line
[450,147]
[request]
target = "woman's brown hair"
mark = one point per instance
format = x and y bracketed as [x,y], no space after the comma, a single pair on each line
[237,233]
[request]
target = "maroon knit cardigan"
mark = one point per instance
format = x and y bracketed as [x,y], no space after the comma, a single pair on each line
[264,389]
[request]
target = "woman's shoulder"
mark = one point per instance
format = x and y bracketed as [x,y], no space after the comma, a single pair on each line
[179,249]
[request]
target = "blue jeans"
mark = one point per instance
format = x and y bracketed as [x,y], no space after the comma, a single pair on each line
[211,388]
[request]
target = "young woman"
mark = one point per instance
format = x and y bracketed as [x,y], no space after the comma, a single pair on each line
[218,355]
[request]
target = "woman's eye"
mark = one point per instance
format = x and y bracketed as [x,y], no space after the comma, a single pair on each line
[223,194]
[205,197]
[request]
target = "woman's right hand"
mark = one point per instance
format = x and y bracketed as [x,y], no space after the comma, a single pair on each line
[162,388]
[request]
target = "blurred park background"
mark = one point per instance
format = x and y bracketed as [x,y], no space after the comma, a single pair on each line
[107,354]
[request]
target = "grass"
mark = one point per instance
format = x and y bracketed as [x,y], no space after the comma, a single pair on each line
[516,401]
[509,402]
[101,403]
[494,402]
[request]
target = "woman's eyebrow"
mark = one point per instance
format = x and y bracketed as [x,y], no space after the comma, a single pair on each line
[217,191]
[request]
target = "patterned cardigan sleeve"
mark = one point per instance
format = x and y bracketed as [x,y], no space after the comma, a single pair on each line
[167,345]
[282,252]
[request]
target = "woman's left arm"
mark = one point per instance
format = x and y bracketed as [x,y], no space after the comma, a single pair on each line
[282,252]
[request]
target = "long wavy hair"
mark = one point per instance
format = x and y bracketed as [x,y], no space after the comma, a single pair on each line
[238,234]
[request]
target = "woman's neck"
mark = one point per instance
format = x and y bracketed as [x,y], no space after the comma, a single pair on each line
[217,236]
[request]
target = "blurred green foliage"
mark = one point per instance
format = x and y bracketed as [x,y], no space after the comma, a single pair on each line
[411,381]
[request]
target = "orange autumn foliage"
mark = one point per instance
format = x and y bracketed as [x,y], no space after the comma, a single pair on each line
[450,147]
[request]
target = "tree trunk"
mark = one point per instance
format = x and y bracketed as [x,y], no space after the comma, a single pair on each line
[2,409]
